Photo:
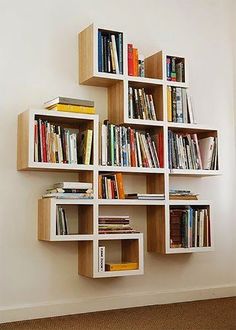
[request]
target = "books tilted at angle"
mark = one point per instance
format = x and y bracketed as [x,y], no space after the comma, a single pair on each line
[86,146]
[189,227]
[206,146]
[145,196]
[121,266]
[62,227]
[141,104]
[101,258]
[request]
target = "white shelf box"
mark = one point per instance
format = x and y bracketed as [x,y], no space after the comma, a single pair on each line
[89,73]
[74,121]
[80,219]
[120,249]
[199,235]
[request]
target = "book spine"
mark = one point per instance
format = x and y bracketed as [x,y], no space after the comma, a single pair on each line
[101,258]
[169,104]
[120,42]
[113,41]
[99,51]
[130,60]
[135,61]
[168,68]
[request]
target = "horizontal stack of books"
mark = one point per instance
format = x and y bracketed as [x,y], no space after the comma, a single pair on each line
[141,105]
[56,144]
[175,68]
[110,52]
[179,105]
[62,227]
[179,194]
[68,104]
[135,62]
[187,152]
[125,146]
[110,186]
[189,227]
[115,225]
[145,196]
[70,190]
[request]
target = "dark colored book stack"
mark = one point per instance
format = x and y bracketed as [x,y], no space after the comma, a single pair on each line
[141,104]
[184,151]
[56,144]
[179,105]
[115,225]
[189,227]
[136,65]
[175,69]
[110,186]
[125,146]
[110,52]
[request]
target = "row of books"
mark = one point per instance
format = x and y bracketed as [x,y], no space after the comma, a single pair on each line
[180,194]
[105,266]
[68,104]
[141,105]
[125,146]
[186,151]
[189,227]
[70,190]
[135,62]
[115,225]
[179,105]
[110,52]
[110,186]
[56,144]
[175,68]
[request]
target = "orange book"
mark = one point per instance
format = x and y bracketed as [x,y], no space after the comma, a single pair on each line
[119,179]
[99,186]
[135,61]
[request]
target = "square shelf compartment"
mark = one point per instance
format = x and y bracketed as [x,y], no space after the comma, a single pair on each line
[53,226]
[90,57]
[175,68]
[189,227]
[121,251]
[75,123]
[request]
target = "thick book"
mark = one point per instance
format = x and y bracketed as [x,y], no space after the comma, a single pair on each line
[73,108]
[206,146]
[121,266]
[86,146]
[73,185]
[68,100]
[130,60]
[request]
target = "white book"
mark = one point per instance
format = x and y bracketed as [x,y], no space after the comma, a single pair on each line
[113,40]
[73,185]
[138,150]
[101,258]
[201,237]
[152,107]
[104,145]
[192,119]
[206,146]
[185,106]
[196,226]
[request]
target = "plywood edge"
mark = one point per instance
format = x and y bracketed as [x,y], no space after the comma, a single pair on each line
[44,219]
[153,66]
[86,52]
[85,258]
[23,141]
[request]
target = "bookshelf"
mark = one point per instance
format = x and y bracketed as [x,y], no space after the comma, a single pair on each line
[127,247]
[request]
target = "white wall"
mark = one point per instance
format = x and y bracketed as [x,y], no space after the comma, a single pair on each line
[38,61]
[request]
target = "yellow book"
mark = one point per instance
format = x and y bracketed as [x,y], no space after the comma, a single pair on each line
[72,108]
[122,266]
[169,104]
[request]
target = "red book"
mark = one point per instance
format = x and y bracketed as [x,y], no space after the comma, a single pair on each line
[43,134]
[160,149]
[130,60]
[132,148]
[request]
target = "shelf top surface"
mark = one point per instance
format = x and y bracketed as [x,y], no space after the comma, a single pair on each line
[63,114]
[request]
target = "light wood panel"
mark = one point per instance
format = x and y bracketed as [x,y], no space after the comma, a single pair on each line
[23,141]
[155,183]
[156,229]
[44,219]
[86,44]
[153,66]
[130,250]
[85,219]
[85,258]
[116,103]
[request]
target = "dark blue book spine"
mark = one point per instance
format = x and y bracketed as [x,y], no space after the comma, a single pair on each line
[99,51]
[120,52]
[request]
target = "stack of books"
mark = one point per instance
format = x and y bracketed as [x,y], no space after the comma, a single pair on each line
[179,105]
[110,52]
[110,186]
[57,144]
[175,69]
[68,104]
[141,105]
[187,152]
[189,227]
[145,196]
[115,225]
[136,65]
[179,194]
[125,146]
[62,227]
[70,190]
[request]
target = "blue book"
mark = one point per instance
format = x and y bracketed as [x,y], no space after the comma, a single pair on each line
[100,51]
[120,52]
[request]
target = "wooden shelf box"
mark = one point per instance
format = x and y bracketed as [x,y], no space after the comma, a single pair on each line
[78,122]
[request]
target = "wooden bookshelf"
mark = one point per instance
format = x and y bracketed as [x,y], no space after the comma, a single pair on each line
[156,180]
